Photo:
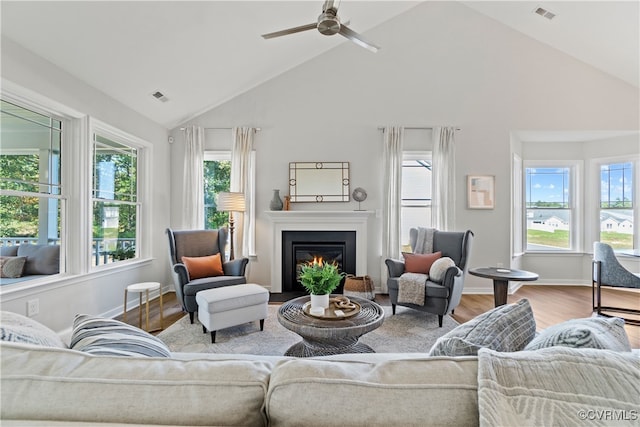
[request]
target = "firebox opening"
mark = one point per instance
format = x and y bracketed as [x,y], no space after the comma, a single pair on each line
[301,247]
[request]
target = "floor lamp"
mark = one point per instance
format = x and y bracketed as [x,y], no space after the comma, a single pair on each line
[231,202]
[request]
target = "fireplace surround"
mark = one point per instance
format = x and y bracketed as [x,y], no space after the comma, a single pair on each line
[281,221]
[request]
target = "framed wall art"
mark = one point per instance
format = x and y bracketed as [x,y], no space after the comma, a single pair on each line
[480,191]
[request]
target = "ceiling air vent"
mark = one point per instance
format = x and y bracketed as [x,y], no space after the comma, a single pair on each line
[160,96]
[544,13]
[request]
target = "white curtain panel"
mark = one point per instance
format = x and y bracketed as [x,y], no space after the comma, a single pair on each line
[392,196]
[193,190]
[243,180]
[443,182]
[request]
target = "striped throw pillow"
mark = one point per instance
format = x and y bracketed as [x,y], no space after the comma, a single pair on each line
[509,327]
[592,332]
[108,337]
[15,327]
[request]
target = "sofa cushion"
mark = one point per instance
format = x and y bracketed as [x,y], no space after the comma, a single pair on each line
[416,392]
[204,266]
[12,266]
[508,327]
[97,335]
[72,386]
[41,259]
[592,332]
[419,263]
[15,327]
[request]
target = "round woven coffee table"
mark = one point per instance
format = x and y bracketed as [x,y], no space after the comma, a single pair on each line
[321,337]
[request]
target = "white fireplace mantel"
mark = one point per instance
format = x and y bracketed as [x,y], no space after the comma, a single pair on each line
[316,221]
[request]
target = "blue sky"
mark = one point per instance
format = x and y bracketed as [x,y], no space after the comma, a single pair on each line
[616,182]
[552,184]
[547,184]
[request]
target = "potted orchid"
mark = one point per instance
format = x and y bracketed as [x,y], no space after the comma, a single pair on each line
[320,279]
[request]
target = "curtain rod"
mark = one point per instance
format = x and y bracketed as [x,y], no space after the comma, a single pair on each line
[415,127]
[221,128]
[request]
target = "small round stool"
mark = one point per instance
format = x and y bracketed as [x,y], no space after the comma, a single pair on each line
[140,288]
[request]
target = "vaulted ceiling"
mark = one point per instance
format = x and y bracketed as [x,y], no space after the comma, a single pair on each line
[200,54]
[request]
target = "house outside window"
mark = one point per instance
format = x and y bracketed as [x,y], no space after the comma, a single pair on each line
[31,192]
[550,207]
[115,199]
[616,204]
[416,194]
[217,178]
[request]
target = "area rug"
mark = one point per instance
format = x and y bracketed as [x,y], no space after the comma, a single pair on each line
[409,331]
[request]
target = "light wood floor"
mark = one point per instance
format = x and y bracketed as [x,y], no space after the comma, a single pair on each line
[551,305]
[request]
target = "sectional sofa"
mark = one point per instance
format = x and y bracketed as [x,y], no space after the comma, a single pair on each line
[48,384]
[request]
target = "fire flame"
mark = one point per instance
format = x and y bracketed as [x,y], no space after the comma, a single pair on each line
[317,261]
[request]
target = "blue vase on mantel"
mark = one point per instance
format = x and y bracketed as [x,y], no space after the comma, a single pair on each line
[276,201]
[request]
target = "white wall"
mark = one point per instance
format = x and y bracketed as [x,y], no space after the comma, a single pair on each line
[440,64]
[99,293]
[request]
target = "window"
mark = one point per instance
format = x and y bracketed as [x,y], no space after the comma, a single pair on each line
[416,194]
[549,206]
[217,178]
[116,205]
[616,205]
[31,197]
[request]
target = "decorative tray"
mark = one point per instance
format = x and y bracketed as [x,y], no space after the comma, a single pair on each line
[336,305]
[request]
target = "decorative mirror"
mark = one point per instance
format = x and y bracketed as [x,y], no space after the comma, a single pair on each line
[319,182]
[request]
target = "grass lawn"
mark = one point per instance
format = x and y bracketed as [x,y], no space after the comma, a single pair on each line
[617,240]
[560,239]
[557,239]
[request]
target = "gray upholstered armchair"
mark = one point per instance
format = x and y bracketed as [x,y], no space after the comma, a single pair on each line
[199,243]
[440,298]
[607,271]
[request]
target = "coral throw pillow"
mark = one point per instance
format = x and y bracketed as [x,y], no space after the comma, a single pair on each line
[204,266]
[419,263]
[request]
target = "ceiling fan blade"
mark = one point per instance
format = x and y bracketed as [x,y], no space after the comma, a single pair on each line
[357,39]
[290,31]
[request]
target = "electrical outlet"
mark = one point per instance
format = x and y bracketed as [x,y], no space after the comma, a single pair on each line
[33,307]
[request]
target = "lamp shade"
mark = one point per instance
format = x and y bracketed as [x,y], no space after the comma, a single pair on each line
[231,202]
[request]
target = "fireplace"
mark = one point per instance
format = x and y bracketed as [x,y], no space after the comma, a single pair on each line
[302,246]
[288,221]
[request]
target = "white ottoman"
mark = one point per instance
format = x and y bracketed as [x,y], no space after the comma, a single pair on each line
[233,305]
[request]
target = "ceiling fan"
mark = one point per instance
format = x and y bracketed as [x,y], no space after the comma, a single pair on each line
[328,24]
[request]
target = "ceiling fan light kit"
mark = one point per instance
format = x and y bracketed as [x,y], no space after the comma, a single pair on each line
[328,24]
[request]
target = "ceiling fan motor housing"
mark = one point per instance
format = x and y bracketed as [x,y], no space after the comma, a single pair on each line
[328,23]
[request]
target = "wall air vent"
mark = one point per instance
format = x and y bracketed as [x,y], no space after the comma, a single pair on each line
[159,96]
[544,13]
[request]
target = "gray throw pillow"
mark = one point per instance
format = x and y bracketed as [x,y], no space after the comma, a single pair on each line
[505,328]
[9,251]
[15,327]
[98,335]
[592,332]
[12,266]
[41,259]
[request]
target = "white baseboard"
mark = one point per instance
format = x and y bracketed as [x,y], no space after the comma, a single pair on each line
[560,282]
[468,290]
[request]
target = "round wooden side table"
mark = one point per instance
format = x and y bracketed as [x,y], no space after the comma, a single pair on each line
[141,288]
[501,277]
[323,337]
